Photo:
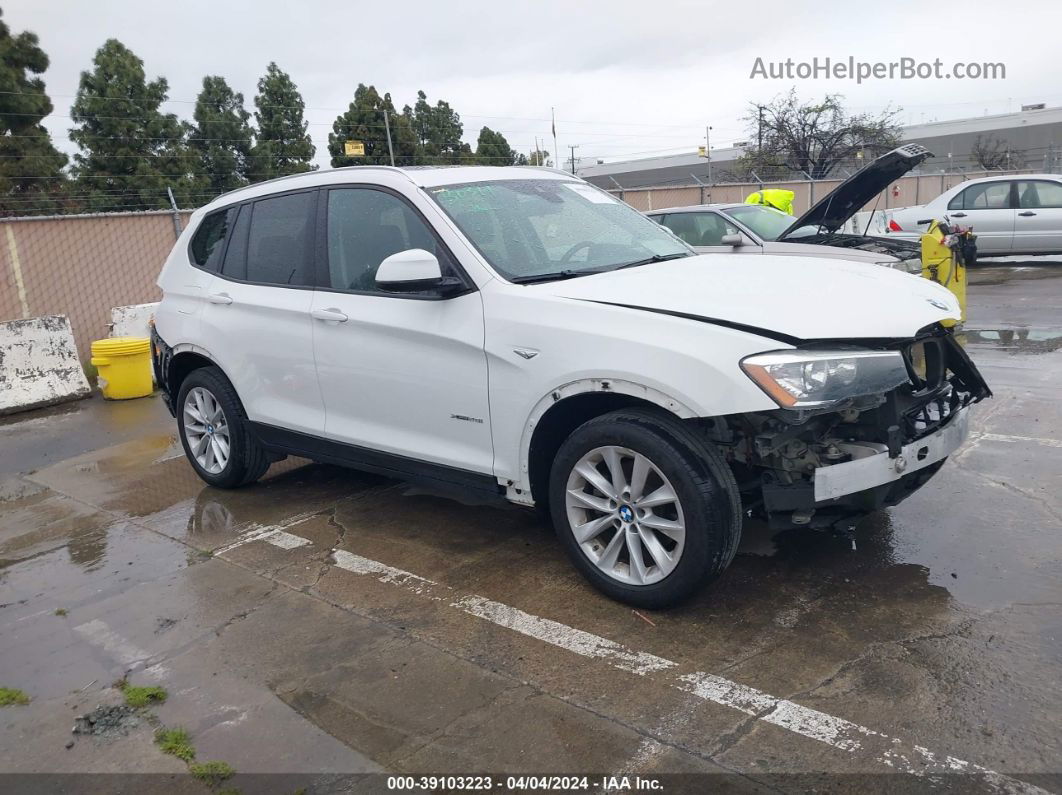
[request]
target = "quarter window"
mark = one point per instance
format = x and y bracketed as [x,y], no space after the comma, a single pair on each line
[367,226]
[280,240]
[208,241]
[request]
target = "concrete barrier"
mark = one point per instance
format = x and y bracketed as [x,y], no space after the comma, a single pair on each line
[132,321]
[39,364]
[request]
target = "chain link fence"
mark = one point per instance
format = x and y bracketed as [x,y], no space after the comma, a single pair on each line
[82,266]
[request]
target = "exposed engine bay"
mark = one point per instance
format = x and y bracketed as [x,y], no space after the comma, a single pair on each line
[776,454]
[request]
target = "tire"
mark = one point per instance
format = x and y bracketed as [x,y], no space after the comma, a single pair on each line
[246,460]
[656,564]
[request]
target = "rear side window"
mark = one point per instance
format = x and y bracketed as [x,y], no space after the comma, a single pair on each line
[208,243]
[280,240]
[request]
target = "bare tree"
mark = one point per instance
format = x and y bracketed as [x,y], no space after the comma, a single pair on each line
[814,137]
[996,154]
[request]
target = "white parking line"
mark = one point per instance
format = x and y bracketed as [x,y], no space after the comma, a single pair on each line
[1003,437]
[272,534]
[810,723]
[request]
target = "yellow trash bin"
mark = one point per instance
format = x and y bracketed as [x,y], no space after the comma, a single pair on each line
[124,365]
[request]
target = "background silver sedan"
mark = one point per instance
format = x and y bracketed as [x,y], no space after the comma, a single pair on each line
[756,229]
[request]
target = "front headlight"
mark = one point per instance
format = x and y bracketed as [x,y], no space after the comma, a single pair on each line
[818,379]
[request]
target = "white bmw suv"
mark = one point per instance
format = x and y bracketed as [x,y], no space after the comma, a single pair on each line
[521,333]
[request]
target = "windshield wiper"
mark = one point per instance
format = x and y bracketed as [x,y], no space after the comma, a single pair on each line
[650,260]
[571,274]
[552,276]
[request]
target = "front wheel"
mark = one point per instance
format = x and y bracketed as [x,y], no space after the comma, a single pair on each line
[647,511]
[214,433]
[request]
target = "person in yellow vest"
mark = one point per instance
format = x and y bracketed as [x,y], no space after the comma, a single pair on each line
[773,197]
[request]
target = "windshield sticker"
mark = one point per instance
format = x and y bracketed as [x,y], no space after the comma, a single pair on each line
[470,198]
[590,194]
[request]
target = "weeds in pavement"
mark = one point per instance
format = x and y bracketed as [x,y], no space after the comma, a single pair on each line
[211,773]
[175,742]
[10,696]
[60,611]
[139,696]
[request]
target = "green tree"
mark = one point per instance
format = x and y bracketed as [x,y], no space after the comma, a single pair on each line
[813,137]
[130,150]
[539,157]
[221,138]
[493,150]
[438,130]
[364,122]
[31,176]
[283,146]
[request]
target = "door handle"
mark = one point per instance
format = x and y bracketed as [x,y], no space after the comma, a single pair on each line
[958,215]
[220,298]
[328,315]
[1026,214]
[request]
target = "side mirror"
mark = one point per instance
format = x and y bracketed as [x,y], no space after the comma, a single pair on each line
[732,240]
[414,270]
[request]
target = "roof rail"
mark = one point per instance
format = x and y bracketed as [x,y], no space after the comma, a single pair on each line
[307,174]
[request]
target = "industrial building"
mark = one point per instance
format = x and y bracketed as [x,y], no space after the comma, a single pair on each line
[1035,133]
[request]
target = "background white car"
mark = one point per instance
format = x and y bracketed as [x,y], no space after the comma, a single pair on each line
[1010,215]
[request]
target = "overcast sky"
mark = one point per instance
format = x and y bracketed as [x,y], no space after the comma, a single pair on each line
[626,78]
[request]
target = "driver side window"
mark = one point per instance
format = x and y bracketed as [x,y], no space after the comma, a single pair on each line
[365,227]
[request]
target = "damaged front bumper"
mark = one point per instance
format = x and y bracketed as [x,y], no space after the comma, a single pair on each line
[872,466]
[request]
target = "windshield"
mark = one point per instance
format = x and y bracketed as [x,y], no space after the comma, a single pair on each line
[535,229]
[767,222]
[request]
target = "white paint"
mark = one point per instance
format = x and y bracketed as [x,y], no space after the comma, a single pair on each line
[133,320]
[836,732]
[382,572]
[569,638]
[16,270]
[271,534]
[99,633]
[39,364]
[1003,437]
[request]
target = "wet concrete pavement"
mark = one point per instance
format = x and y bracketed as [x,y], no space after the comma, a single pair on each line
[330,622]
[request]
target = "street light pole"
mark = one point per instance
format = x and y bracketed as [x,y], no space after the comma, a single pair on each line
[387,129]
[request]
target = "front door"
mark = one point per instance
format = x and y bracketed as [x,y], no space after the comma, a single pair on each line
[988,208]
[256,321]
[403,374]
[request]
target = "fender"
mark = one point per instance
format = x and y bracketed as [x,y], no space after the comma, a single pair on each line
[520,491]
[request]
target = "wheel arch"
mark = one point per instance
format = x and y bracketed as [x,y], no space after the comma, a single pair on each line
[564,409]
[184,360]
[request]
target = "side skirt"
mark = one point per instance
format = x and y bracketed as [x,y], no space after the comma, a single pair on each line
[329,451]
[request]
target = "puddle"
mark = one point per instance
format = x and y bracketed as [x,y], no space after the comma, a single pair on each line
[1013,340]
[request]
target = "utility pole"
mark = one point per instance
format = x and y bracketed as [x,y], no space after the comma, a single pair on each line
[573,147]
[553,126]
[387,128]
[708,151]
[759,128]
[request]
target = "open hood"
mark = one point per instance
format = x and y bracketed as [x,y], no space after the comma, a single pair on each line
[781,297]
[844,201]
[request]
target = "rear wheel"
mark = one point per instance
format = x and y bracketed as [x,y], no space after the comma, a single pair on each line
[214,433]
[646,511]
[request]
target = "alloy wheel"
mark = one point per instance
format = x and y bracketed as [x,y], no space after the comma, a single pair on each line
[206,429]
[625,515]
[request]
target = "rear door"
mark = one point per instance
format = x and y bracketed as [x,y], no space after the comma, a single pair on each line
[257,324]
[989,208]
[1038,222]
[405,374]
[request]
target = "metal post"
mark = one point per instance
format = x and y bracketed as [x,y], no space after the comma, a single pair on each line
[708,154]
[387,128]
[176,213]
[701,186]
